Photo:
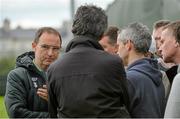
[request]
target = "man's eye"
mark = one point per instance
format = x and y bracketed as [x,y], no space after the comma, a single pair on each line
[56,48]
[157,39]
[44,46]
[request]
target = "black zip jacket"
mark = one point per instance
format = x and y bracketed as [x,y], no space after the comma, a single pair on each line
[21,97]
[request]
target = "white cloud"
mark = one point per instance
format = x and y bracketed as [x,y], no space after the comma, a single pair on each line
[100,3]
[31,13]
[28,23]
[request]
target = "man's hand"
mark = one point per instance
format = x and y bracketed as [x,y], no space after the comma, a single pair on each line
[42,92]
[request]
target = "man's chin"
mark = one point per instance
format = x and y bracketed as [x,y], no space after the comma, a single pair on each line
[167,60]
[48,63]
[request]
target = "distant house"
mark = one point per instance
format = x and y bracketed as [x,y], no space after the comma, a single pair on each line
[17,41]
[14,41]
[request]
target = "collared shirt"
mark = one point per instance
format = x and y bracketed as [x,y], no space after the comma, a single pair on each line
[40,70]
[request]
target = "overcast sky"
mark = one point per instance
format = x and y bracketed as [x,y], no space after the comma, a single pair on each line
[37,13]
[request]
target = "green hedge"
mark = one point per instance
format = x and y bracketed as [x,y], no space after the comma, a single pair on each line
[6,65]
[3,80]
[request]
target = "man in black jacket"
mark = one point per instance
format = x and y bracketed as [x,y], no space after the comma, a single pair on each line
[87,81]
[26,92]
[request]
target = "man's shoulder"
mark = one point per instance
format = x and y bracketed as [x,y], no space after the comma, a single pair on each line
[18,73]
[134,73]
[17,70]
[178,75]
[177,78]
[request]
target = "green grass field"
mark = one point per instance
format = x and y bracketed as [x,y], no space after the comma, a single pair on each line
[3,113]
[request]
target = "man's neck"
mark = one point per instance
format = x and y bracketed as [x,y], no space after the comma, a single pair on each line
[134,57]
[38,66]
[177,57]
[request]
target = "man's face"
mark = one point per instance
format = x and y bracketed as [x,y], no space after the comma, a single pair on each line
[46,50]
[108,47]
[157,36]
[123,52]
[168,48]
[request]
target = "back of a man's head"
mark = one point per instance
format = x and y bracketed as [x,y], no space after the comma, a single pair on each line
[89,20]
[139,35]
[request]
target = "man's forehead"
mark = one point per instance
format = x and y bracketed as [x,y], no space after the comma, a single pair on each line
[166,32]
[45,35]
[49,33]
[46,39]
[156,34]
[158,31]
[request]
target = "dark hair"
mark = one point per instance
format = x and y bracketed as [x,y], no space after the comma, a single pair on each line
[175,28]
[47,30]
[160,23]
[89,20]
[112,33]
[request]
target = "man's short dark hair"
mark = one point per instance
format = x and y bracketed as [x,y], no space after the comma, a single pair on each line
[160,23]
[89,20]
[47,30]
[175,28]
[112,33]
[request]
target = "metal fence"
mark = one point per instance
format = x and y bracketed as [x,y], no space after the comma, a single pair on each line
[3,80]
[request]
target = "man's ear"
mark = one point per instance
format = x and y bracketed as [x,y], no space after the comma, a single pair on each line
[129,45]
[116,48]
[34,46]
[177,44]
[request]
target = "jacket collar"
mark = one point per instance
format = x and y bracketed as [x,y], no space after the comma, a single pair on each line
[85,41]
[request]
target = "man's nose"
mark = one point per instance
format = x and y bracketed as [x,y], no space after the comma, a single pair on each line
[50,51]
[160,49]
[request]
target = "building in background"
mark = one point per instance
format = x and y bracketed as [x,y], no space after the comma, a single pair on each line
[123,12]
[16,41]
